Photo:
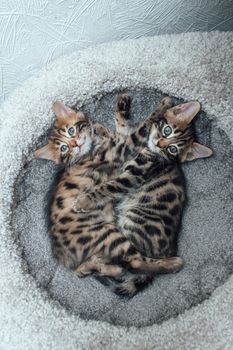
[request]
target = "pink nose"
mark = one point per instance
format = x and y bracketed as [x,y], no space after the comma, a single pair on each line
[73,143]
[162,143]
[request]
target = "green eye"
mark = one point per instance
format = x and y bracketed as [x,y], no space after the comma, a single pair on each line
[172,149]
[71,131]
[167,130]
[64,148]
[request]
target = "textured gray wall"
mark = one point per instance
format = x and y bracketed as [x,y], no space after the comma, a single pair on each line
[34,32]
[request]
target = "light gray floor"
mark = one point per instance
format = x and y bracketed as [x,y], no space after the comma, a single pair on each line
[205,241]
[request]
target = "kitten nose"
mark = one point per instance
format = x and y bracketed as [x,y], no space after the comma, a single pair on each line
[73,143]
[162,143]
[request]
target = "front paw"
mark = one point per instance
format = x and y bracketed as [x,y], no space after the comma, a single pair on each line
[167,101]
[83,203]
[123,104]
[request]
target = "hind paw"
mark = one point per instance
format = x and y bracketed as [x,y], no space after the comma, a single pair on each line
[177,264]
[82,271]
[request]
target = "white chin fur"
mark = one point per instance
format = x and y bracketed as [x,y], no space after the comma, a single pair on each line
[152,147]
[84,149]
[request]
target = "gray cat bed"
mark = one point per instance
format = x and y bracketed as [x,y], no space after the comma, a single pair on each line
[44,306]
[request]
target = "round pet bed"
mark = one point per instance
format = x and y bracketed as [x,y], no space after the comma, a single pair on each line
[44,306]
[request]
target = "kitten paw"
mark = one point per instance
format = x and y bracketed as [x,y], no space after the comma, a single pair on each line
[167,101]
[82,272]
[123,103]
[83,203]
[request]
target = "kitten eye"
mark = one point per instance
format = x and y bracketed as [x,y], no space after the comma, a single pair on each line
[167,130]
[64,148]
[172,149]
[71,131]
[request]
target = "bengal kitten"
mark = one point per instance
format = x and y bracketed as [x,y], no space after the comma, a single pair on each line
[90,242]
[150,187]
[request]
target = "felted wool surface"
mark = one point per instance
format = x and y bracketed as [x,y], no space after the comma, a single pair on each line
[45,306]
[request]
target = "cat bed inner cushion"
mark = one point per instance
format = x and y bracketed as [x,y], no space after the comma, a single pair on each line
[205,241]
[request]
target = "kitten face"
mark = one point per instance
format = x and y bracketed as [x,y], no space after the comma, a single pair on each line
[71,137]
[172,135]
[72,141]
[168,140]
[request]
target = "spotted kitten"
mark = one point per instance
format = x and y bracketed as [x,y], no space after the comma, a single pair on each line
[90,241]
[150,187]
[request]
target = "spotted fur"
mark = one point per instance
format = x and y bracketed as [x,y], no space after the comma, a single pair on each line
[89,241]
[152,186]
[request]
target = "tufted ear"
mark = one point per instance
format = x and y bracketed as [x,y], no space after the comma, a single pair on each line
[47,152]
[183,114]
[62,111]
[197,151]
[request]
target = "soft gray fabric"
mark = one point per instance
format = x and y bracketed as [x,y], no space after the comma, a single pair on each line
[207,260]
[188,66]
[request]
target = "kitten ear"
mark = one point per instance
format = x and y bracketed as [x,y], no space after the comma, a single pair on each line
[46,152]
[183,114]
[61,110]
[197,151]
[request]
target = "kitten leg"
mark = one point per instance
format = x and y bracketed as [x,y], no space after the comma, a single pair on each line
[163,106]
[99,266]
[141,264]
[122,114]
